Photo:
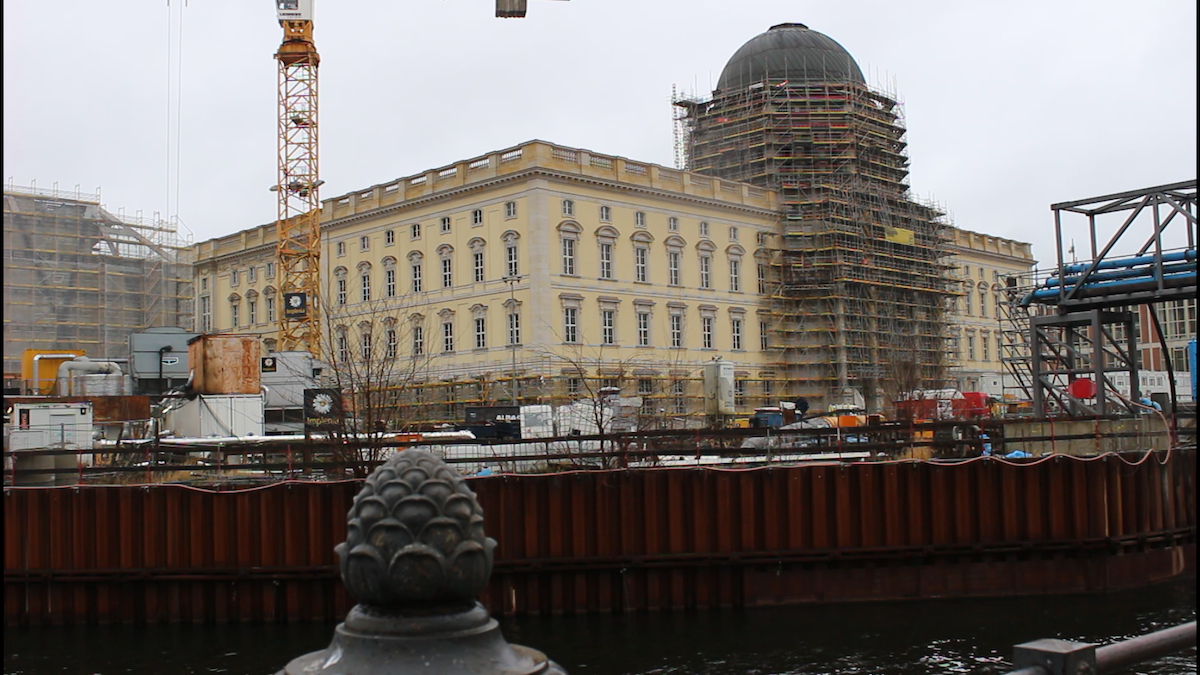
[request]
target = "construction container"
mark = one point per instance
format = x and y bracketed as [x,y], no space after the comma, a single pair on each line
[225,364]
[209,416]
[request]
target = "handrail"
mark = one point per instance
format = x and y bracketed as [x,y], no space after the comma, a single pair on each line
[1064,657]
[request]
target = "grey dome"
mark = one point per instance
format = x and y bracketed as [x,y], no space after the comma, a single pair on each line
[793,52]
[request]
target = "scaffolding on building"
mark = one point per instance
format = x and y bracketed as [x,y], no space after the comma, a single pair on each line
[79,277]
[859,284]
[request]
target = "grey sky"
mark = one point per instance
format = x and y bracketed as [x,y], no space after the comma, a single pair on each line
[1009,106]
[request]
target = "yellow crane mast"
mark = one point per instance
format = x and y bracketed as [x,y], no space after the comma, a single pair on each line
[298,227]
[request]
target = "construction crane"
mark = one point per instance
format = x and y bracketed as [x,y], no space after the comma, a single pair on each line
[298,227]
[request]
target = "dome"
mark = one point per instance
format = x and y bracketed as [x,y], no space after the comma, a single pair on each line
[789,51]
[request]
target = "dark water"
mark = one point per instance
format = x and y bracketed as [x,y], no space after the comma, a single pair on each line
[938,636]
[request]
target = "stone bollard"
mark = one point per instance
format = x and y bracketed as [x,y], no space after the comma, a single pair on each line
[416,557]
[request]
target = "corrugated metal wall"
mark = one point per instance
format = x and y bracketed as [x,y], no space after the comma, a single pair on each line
[620,540]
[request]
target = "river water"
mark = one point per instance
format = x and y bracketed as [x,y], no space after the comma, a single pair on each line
[917,637]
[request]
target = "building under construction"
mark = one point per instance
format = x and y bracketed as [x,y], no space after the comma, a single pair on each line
[860,293]
[78,277]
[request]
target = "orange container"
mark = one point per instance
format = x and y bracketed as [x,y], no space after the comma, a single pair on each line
[225,364]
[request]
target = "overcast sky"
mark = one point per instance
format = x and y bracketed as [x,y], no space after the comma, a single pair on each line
[1009,106]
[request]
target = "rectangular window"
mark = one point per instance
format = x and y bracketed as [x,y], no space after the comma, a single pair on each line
[252,274]
[706,331]
[270,270]
[970,304]
[204,283]
[364,243]
[445,224]
[568,207]
[735,332]
[477,260]
[983,303]
[480,332]
[970,347]
[639,219]
[447,273]
[365,345]
[645,387]
[762,279]
[270,309]
[735,275]
[985,346]
[733,234]
[763,340]
[677,389]
[574,385]
[206,314]
[673,267]
[418,333]
[393,343]
[341,291]
[568,256]
[605,214]
[365,280]
[389,237]
[676,330]
[643,329]
[510,209]
[999,349]
[606,261]
[705,271]
[389,282]
[673,224]
[608,326]
[510,255]
[343,348]
[447,336]
[703,229]
[252,311]
[414,231]
[341,248]
[234,277]
[640,255]
[477,217]
[739,392]
[417,281]
[570,324]
[234,314]
[514,328]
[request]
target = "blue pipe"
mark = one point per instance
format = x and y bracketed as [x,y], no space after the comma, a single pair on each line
[1169,279]
[1124,274]
[1173,256]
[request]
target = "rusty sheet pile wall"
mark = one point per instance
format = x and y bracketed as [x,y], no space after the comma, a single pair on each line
[622,540]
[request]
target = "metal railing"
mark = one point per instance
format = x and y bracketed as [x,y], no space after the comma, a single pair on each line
[1064,657]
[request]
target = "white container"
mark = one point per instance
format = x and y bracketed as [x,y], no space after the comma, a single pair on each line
[225,415]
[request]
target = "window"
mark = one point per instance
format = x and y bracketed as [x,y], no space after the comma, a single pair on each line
[205,314]
[574,386]
[447,273]
[676,330]
[763,340]
[703,229]
[510,256]
[985,348]
[514,327]
[639,219]
[480,332]
[364,243]
[414,231]
[605,214]
[673,224]
[640,255]
[393,343]
[999,349]
[252,274]
[762,279]
[389,282]
[447,336]
[510,209]
[568,255]
[341,248]
[761,238]
[645,387]
[735,274]
[252,310]
[970,304]
[983,303]
[706,331]
[673,258]
[570,324]
[705,271]
[733,234]
[966,270]
[341,291]
[343,347]
[365,344]
[735,333]
[608,327]
[389,237]
[643,329]
[477,217]
[739,392]
[677,390]
[606,262]
[270,270]
[477,262]
[365,283]
[445,224]
[568,207]
[204,283]
[270,309]
[417,283]
[418,335]
[970,347]
[234,277]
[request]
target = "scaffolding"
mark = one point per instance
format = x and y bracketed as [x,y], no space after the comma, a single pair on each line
[859,284]
[79,277]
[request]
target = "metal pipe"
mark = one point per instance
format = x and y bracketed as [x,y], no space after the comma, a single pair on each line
[285,438]
[1143,648]
[38,357]
[84,364]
